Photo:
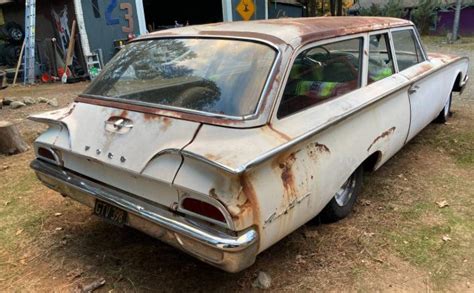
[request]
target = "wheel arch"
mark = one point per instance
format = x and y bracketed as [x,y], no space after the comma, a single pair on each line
[457,82]
[372,162]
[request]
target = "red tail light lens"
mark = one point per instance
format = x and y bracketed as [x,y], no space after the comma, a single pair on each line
[46,154]
[202,208]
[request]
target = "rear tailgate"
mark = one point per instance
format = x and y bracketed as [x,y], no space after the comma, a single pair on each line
[121,148]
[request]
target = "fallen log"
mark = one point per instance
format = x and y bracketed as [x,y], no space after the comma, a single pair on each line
[11,141]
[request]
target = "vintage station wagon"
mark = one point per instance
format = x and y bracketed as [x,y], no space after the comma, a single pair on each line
[222,139]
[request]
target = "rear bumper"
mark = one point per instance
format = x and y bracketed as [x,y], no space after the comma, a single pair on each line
[230,252]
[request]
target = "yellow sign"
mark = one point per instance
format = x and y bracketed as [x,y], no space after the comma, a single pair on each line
[246,8]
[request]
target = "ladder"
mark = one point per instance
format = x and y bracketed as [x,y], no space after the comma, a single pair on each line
[29,59]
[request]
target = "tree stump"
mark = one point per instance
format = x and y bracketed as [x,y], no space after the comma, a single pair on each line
[11,141]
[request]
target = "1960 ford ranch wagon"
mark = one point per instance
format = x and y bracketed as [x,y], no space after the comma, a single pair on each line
[222,139]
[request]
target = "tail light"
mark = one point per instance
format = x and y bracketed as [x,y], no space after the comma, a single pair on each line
[48,155]
[202,208]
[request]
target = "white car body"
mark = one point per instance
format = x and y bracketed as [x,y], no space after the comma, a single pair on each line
[268,176]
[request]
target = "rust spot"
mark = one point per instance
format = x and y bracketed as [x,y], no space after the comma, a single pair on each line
[272,131]
[245,34]
[287,176]
[68,112]
[123,114]
[384,134]
[165,123]
[424,68]
[213,194]
[322,148]
[308,28]
[148,116]
[251,204]
[212,157]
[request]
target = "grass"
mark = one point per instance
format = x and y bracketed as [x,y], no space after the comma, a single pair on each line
[17,212]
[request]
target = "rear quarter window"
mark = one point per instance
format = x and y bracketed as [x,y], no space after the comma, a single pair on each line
[407,50]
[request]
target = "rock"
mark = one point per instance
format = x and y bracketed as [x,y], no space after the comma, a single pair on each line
[16,104]
[263,281]
[7,100]
[42,100]
[29,101]
[53,102]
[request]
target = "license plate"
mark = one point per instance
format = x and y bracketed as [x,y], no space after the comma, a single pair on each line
[110,213]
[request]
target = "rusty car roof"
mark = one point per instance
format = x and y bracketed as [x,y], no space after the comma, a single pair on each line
[292,31]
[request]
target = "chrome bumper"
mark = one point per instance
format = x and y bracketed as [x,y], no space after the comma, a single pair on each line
[231,253]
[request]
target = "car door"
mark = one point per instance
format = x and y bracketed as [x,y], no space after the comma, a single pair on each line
[426,92]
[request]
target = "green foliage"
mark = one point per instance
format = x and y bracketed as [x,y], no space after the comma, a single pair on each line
[393,8]
[423,15]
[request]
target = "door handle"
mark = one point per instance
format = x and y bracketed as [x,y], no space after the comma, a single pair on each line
[413,89]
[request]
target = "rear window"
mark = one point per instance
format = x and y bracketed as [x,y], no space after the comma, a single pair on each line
[223,77]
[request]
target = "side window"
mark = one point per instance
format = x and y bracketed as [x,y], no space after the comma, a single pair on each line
[406,48]
[321,73]
[380,58]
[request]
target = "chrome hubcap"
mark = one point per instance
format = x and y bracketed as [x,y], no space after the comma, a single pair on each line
[344,195]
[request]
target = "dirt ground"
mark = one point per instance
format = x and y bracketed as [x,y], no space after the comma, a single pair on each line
[398,238]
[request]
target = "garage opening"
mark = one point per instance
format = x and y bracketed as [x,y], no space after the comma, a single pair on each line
[159,15]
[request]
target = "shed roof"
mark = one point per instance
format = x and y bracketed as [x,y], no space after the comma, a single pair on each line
[292,31]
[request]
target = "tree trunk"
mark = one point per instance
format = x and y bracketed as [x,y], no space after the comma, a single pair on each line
[457,17]
[339,8]
[332,7]
[11,141]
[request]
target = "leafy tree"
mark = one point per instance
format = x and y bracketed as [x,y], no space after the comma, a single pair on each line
[393,8]
[423,15]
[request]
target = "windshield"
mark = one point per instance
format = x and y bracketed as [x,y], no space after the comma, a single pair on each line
[212,75]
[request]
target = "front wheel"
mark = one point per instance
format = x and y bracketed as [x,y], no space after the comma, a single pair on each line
[444,114]
[343,201]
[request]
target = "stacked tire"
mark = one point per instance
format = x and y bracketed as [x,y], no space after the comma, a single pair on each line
[11,38]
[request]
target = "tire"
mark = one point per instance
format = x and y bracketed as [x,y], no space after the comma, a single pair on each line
[343,201]
[12,32]
[12,52]
[443,116]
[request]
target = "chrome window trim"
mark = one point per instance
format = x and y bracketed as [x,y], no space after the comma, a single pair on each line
[252,116]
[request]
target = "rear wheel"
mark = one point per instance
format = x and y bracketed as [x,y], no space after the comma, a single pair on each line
[444,114]
[343,201]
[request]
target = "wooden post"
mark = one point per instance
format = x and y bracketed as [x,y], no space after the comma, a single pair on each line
[70,50]
[19,63]
[11,141]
